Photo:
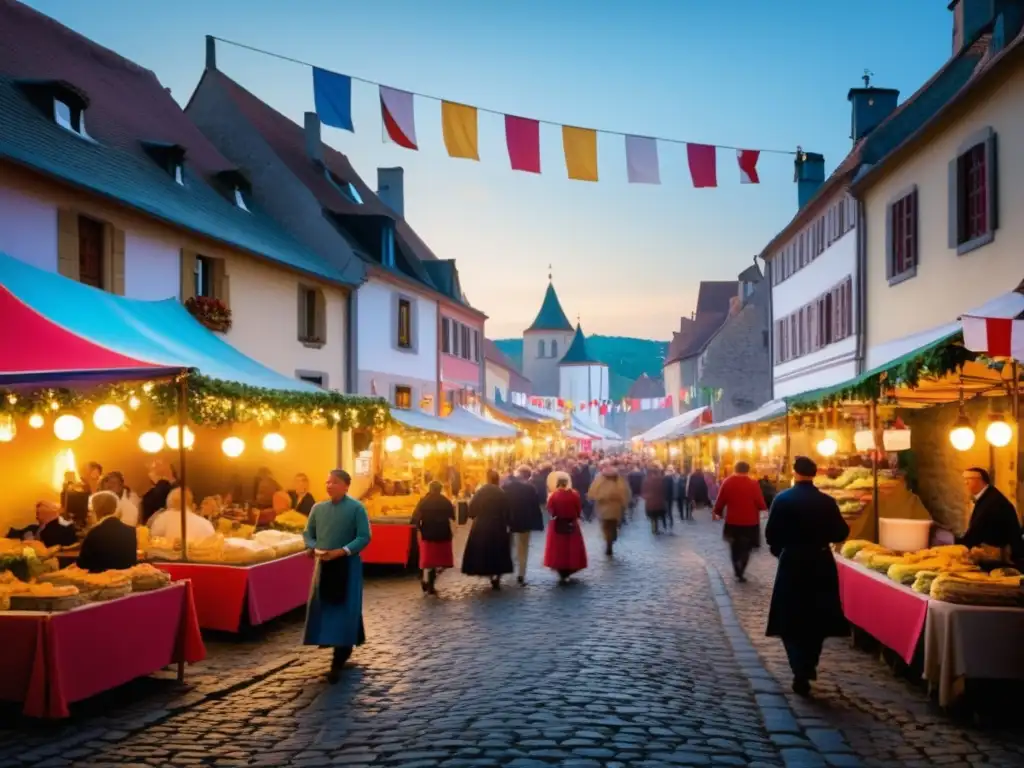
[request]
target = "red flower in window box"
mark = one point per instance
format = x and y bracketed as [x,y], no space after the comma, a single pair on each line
[211,312]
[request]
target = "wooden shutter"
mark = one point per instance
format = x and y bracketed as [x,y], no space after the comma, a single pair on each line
[67,243]
[953,197]
[992,182]
[188,275]
[115,260]
[221,282]
[320,315]
[300,324]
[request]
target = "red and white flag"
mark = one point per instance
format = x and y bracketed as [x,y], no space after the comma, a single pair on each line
[747,159]
[703,165]
[396,110]
[994,336]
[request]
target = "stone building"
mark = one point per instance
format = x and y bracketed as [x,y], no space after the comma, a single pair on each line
[544,343]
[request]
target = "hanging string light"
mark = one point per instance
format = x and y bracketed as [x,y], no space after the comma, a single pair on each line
[998,433]
[962,434]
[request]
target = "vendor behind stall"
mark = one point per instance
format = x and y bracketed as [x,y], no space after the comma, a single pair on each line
[994,520]
[109,544]
[50,528]
[167,524]
[302,499]
[127,501]
[161,474]
[280,502]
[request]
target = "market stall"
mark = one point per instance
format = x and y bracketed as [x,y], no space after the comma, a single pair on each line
[82,351]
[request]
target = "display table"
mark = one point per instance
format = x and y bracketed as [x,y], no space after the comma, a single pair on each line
[51,660]
[891,613]
[267,590]
[971,642]
[390,544]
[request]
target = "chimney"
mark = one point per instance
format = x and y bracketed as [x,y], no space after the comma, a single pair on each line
[970,19]
[809,174]
[211,52]
[870,106]
[391,189]
[314,149]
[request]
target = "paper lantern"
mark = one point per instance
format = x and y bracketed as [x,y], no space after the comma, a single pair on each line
[151,442]
[999,433]
[392,443]
[896,440]
[864,440]
[36,421]
[68,427]
[108,417]
[7,428]
[273,442]
[827,447]
[723,444]
[171,437]
[419,452]
[233,447]
[962,433]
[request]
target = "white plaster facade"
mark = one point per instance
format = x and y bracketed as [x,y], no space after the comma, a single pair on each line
[584,383]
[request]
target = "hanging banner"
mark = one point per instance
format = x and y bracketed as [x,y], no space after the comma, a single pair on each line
[580,146]
[522,136]
[458,123]
[332,95]
[396,110]
[642,160]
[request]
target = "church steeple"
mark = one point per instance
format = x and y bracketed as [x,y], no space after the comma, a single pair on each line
[577,353]
[551,316]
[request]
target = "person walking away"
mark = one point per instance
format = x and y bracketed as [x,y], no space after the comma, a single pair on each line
[635,480]
[805,606]
[611,497]
[654,498]
[338,529]
[767,490]
[581,484]
[671,481]
[488,546]
[540,482]
[525,517]
[433,518]
[564,549]
[740,497]
[697,491]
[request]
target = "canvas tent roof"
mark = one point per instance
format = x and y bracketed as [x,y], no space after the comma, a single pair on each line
[673,427]
[774,409]
[461,423]
[69,333]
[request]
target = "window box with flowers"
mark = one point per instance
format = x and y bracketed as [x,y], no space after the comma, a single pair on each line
[211,312]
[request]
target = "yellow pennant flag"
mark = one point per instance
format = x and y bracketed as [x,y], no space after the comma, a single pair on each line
[459,125]
[580,146]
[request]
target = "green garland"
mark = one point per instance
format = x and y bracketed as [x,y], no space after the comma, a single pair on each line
[934,363]
[211,402]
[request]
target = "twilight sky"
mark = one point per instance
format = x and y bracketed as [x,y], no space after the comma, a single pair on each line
[626,258]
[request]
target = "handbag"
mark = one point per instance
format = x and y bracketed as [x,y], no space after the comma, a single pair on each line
[334,576]
[565,525]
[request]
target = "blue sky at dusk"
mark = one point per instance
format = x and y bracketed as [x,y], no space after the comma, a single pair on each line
[626,258]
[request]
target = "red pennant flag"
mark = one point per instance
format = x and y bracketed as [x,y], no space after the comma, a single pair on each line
[522,136]
[747,159]
[703,167]
[396,110]
[604,410]
[634,405]
[561,403]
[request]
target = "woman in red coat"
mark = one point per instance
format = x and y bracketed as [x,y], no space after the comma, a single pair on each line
[564,550]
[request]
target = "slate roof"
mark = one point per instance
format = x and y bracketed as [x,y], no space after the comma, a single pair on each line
[692,339]
[577,353]
[551,316]
[907,118]
[715,295]
[127,106]
[646,387]
[288,141]
[493,354]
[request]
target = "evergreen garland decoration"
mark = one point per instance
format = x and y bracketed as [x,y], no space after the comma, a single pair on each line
[211,402]
[934,363]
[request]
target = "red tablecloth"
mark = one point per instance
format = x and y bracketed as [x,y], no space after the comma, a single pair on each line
[51,660]
[891,613]
[267,589]
[390,544]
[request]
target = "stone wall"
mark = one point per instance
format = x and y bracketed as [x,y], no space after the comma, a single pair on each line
[938,466]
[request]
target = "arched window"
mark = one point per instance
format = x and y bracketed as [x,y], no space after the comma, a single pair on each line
[554,348]
[540,348]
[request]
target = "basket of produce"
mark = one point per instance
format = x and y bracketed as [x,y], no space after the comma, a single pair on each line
[146,578]
[291,521]
[978,588]
[282,542]
[45,597]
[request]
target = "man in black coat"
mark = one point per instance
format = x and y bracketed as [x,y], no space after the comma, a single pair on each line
[110,544]
[581,479]
[805,607]
[488,548]
[525,517]
[994,520]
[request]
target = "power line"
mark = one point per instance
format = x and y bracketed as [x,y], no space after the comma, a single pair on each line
[485,110]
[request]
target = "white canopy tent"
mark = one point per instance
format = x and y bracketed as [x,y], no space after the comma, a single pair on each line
[461,423]
[674,427]
[774,409]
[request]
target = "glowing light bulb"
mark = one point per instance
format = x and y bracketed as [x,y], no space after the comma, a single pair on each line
[827,447]
[999,433]
[962,437]
[419,452]
[68,427]
[151,442]
[233,447]
[108,417]
[392,443]
[36,421]
[171,438]
[7,428]
[274,443]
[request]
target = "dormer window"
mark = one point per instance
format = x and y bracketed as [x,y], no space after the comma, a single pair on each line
[170,157]
[240,200]
[347,188]
[387,251]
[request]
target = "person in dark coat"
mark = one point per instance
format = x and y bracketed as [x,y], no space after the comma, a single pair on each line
[433,518]
[540,482]
[654,498]
[525,517]
[302,499]
[805,607]
[994,519]
[697,491]
[488,548]
[110,544]
[50,528]
[581,479]
[671,483]
[635,481]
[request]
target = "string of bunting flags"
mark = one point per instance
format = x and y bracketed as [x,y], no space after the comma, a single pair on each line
[332,96]
[604,407]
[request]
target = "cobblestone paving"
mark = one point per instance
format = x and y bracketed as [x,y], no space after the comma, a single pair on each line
[886,720]
[652,659]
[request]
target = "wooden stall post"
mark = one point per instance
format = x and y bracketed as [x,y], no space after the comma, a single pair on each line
[1015,400]
[182,482]
[873,426]
[787,460]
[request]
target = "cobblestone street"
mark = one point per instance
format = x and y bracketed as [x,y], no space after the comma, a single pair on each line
[651,659]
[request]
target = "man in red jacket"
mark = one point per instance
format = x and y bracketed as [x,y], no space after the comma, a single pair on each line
[741,498]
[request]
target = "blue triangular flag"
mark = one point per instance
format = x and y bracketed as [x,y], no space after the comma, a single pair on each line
[333,96]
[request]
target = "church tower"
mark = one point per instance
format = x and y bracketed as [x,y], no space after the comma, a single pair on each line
[544,343]
[583,378]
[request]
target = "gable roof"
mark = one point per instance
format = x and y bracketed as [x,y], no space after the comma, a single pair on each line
[577,353]
[551,316]
[128,108]
[695,336]
[287,139]
[904,121]
[493,354]
[714,295]
[646,387]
